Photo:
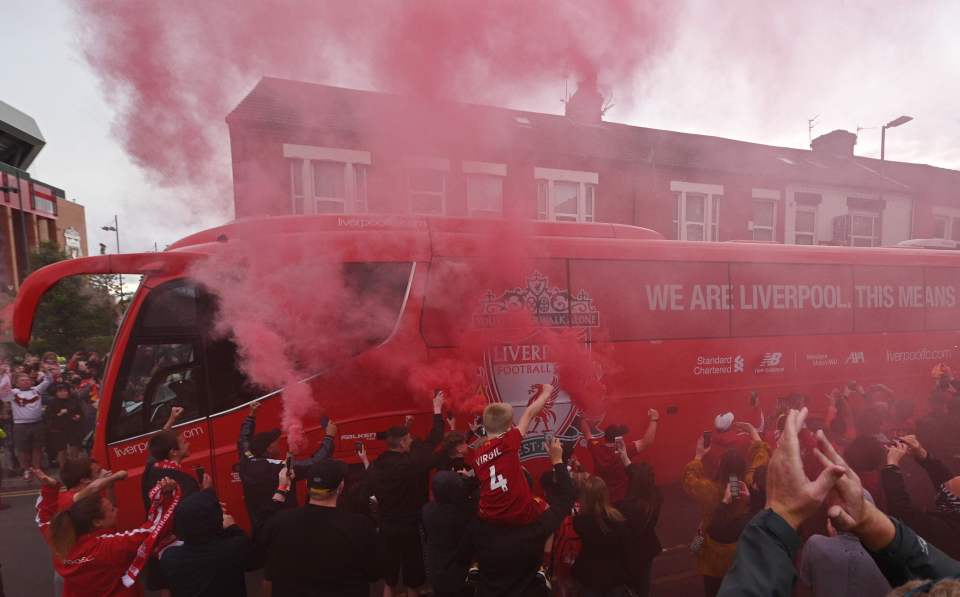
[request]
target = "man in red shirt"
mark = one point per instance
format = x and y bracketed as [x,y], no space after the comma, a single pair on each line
[607,463]
[505,495]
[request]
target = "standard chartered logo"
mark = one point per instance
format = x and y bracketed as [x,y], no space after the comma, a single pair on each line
[718,365]
[738,364]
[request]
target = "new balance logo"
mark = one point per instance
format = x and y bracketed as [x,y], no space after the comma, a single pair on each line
[771,359]
[738,364]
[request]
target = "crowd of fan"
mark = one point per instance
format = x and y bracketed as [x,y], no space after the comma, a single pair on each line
[455,513]
[48,407]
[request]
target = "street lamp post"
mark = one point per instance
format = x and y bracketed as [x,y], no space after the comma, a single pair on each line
[116,229]
[23,226]
[883,133]
[883,150]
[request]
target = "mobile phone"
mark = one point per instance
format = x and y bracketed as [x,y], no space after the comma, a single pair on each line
[547,439]
[324,421]
[706,439]
[200,474]
[734,486]
[754,397]
[289,462]
[621,445]
[358,447]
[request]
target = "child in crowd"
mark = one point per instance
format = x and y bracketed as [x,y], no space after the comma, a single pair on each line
[505,494]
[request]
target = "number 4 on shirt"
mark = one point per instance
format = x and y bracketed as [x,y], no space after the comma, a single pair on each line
[497,481]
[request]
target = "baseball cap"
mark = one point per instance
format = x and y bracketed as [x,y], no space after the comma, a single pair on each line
[260,441]
[612,432]
[723,422]
[326,474]
[397,431]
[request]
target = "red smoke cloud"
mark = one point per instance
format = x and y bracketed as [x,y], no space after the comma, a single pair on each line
[178,67]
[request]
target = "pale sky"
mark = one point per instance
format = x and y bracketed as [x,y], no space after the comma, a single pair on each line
[744,69]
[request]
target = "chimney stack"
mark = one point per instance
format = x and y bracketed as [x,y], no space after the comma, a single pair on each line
[586,104]
[836,143]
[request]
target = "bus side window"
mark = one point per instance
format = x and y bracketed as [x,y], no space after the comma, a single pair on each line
[156,377]
[229,387]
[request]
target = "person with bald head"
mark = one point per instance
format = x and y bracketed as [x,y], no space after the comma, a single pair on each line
[939,525]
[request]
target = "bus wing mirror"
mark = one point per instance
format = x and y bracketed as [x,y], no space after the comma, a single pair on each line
[40,281]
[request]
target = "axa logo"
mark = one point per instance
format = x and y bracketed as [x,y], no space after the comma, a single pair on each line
[738,364]
[855,358]
[771,359]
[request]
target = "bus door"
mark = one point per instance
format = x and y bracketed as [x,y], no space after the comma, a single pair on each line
[163,367]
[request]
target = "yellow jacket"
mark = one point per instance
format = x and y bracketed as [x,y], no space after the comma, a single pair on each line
[714,559]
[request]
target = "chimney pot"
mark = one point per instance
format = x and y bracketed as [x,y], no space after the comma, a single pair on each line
[586,104]
[837,143]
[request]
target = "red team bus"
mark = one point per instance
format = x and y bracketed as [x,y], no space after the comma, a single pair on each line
[693,329]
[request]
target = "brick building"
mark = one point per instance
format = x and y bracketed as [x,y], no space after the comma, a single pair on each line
[306,148]
[31,211]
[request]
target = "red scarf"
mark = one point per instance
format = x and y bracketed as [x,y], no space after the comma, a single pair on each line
[161,515]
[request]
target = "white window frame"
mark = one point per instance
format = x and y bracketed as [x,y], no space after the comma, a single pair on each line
[951,218]
[768,196]
[713,198]
[440,165]
[875,239]
[483,169]
[355,167]
[811,209]
[946,226]
[586,182]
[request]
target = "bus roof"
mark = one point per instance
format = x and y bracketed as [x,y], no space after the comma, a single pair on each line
[422,238]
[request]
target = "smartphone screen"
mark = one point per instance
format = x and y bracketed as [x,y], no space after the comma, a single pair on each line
[706,439]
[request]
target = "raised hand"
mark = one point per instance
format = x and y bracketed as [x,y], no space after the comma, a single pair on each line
[916,450]
[555,449]
[895,453]
[253,408]
[789,492]
[701,451]
[748,428]
[849,510]
[44,478]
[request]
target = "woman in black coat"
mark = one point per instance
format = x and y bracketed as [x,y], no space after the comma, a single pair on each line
[602,569]
[641,508]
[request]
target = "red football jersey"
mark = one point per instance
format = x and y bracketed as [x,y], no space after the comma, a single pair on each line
[505,495]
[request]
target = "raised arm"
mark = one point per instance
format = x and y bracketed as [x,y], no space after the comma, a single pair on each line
[938,473]
[651,433]
[247,429]
[546,390]
[175,413]
[436,429]
[302,466]
[43,385]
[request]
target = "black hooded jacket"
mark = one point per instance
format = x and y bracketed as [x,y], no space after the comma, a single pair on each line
[400,480]
[445,522]
[207,560]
